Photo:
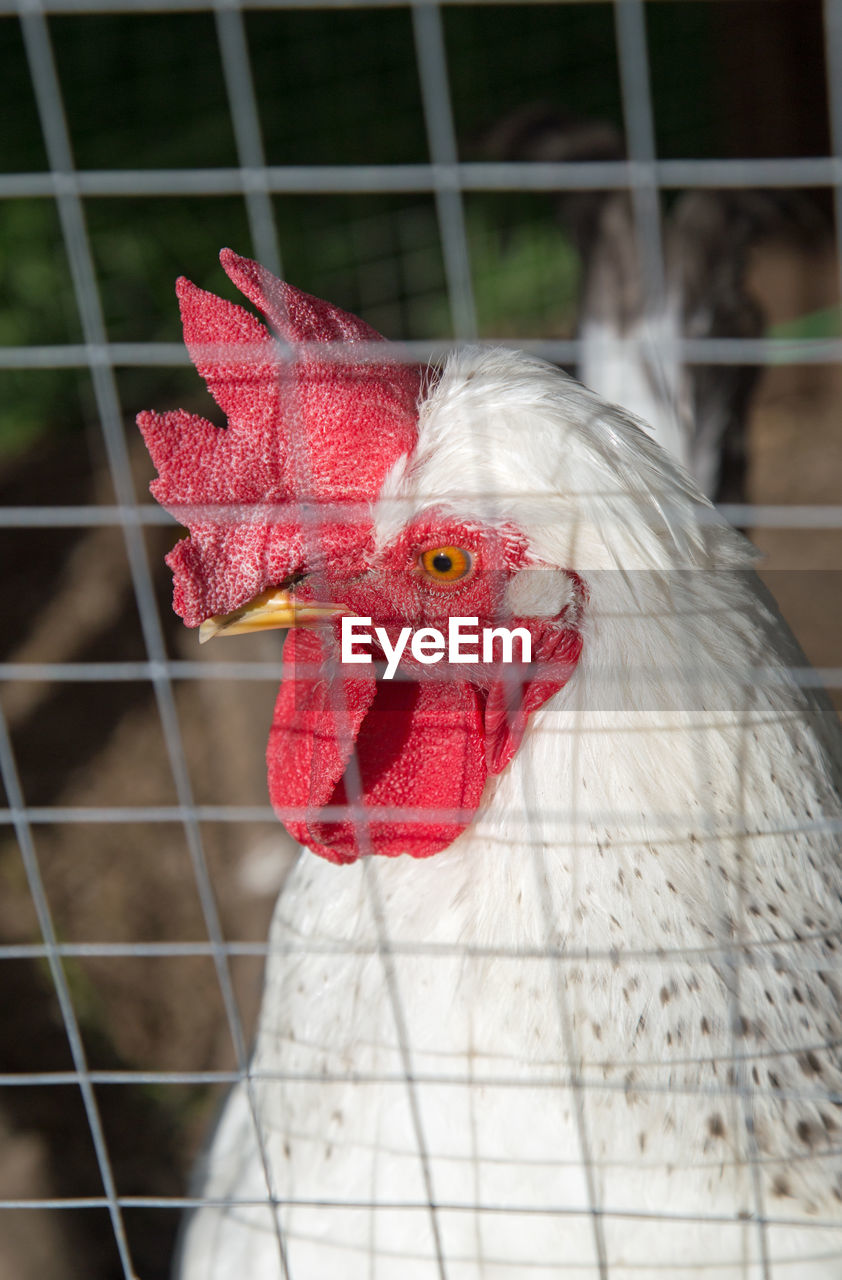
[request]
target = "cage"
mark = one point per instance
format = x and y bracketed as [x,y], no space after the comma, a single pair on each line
[425,165]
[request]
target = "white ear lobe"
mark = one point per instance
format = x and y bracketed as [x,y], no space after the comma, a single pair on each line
[539,593]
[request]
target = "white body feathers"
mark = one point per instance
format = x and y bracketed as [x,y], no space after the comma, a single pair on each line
[598,1035]
[631,369]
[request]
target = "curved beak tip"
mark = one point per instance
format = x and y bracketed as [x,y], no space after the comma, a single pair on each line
[271,610]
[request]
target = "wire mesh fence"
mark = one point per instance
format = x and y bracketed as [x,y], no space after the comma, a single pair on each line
[130,1067]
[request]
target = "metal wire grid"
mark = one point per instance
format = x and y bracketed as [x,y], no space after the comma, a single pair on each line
[643,174]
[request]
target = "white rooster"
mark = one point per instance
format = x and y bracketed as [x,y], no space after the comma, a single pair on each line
[581,1016]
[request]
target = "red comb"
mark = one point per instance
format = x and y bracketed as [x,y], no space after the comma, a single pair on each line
[312,424]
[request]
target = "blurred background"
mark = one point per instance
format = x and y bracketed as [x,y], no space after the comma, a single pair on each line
[407,162]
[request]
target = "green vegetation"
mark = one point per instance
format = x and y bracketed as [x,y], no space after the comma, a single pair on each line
[334,87]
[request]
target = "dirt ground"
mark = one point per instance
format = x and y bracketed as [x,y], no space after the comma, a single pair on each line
[95,744]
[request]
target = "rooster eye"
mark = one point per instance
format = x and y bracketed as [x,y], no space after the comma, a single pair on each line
[446,564]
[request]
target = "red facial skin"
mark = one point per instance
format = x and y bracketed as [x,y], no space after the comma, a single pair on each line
[394,591]
[421,746]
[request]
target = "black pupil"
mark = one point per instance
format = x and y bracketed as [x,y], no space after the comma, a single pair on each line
[442,562]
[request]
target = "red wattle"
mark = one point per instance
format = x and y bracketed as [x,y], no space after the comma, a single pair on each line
[419,749]
[420,752]
[312,737]
[510,704]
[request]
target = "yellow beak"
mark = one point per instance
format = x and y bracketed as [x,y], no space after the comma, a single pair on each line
[269,611]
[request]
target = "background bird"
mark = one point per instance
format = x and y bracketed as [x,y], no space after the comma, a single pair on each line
[634,313]
[579,1011]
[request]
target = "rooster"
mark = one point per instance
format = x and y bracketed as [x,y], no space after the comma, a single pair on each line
[553,987]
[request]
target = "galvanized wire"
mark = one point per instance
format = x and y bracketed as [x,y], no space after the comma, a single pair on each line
[448,179]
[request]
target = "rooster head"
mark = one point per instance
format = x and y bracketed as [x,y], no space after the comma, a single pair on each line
[307,508]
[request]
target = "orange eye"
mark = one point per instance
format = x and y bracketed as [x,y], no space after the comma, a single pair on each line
[446,564]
